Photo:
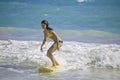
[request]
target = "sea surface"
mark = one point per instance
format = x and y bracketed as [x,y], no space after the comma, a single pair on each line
[74,20]
[78,61]
[90,30]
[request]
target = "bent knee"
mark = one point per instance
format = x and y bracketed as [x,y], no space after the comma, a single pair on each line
[49,54]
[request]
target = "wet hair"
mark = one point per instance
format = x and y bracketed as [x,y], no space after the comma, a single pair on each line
[47,24]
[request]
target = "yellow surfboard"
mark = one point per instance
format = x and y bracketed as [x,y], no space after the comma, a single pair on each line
[48,69]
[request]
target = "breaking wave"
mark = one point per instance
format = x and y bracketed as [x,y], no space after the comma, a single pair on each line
[73,55]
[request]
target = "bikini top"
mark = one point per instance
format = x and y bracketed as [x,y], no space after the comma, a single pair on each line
[49,35]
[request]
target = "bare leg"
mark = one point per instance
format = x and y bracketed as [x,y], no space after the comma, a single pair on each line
[52,59]
[52,49]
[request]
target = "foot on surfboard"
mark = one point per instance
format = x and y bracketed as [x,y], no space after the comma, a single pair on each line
[48,69]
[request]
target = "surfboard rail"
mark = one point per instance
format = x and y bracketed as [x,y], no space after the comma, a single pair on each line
[48,69]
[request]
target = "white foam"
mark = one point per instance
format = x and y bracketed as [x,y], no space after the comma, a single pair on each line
[81,1]
[15,70]
[74,55]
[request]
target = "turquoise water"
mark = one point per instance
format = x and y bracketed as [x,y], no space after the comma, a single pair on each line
[90,20]
[64,14]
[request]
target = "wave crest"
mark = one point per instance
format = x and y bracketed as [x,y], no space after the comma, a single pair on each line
[73,55]
[81,1]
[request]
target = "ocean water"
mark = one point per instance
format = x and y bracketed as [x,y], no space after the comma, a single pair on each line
[88,28]
[89,20]
[79,61]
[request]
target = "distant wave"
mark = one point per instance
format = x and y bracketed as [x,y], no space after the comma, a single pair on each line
[81,1]
[14,3]
[95,36]
[90,33]
[64,32]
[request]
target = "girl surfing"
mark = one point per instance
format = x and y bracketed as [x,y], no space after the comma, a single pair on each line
[50,33]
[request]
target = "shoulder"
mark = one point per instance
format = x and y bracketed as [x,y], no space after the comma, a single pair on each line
[52,31]
[48,31]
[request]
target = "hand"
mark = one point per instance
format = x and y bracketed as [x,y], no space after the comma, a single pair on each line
[41,49]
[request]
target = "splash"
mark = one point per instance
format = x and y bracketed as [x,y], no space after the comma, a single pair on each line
[73,55]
